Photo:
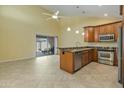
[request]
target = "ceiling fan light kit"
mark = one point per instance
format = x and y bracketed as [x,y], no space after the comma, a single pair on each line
[55,17]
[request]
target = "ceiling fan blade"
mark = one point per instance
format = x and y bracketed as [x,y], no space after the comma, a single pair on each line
[57,12]
[62,17]
[47,14]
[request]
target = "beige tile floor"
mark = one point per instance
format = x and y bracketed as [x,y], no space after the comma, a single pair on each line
[44,72]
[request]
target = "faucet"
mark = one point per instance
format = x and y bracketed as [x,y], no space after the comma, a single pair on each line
[77,44]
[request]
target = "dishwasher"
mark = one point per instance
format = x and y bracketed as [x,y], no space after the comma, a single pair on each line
[77,60]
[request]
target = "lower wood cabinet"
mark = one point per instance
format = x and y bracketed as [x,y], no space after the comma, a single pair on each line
[71,62]
[90,55]
[95,55]
[66,61]
[115,58]
[85,58]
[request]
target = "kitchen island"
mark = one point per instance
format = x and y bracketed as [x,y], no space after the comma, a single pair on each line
[71,60]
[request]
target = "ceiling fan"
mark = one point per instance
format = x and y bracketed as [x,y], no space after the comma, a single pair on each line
[53,16]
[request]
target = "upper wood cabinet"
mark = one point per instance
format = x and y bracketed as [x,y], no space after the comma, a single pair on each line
[102,30]
[92,32]
[89,34]
[122,10]
[106,29]
[96,33]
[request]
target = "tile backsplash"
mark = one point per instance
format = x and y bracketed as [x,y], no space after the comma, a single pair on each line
[103,44]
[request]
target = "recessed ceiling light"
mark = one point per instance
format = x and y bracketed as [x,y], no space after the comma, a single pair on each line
[99,5]
[77,32]
[68,29]
[105,14]
[77,6]
[83,12]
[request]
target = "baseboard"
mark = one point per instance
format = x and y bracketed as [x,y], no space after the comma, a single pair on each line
[17,59]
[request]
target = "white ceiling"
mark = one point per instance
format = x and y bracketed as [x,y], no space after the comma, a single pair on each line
[90,10]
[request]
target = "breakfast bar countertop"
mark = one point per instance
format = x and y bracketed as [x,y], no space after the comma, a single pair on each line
[79,50]
[76,50]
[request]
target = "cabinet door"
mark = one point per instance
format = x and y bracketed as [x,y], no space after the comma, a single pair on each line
[122,10]
[115,58]
[66,61]
[89,34]
[69,62]
[90,56]
[85,58]
[86,34]
[95,55]
[62,60]
[96,33]
[107,29]
[102,30]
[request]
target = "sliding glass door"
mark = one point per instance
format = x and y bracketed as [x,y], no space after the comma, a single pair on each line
[45,45]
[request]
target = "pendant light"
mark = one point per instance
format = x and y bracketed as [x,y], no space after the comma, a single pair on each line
[77,31]
[68,29]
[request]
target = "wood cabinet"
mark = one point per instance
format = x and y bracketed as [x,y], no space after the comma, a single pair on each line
[87,57]
[90,55]
[73,61]
[95,55]
[96,33]
[111,29]
[122,10]
[102,30]
[66,61]
[89,34]
[85,60]
[107,29]
[115,58]
[92,32]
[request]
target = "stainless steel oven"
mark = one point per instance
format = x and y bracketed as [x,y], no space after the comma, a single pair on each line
[106,57]
[107,37]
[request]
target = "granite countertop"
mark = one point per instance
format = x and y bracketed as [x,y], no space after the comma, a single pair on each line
[79,50]
[66,48]
[76,50]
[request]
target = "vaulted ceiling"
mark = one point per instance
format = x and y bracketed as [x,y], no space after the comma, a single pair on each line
[86,10]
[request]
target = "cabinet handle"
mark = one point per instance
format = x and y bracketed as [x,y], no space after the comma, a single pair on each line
[63,53]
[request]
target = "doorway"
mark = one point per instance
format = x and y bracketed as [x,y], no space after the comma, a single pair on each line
[45,45]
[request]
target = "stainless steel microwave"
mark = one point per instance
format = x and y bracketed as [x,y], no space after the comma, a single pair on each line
[107,37]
